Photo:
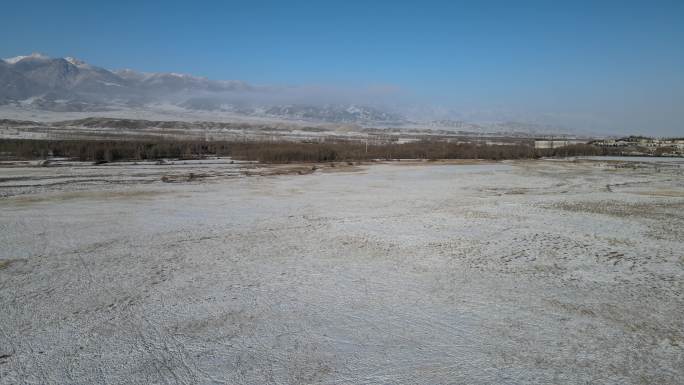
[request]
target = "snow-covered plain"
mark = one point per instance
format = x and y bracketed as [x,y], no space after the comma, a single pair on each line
[403,272]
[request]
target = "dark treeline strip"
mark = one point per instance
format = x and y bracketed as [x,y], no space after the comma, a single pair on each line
[97,150]
[578,150]
[277,152]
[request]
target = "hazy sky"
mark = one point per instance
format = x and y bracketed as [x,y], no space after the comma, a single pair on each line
[611,65]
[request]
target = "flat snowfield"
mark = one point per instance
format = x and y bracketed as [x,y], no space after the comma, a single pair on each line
[530,272]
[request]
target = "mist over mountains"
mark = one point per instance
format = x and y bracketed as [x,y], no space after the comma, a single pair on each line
[40,83]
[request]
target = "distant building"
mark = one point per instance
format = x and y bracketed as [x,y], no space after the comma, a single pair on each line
[552,143]
[645,145]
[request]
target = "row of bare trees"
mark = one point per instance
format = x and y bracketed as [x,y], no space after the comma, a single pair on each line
[279,151]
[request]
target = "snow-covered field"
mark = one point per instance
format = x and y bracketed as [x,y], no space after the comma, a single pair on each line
[404,272]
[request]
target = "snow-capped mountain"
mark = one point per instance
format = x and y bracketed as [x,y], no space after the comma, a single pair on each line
[35,55]
[13,85]
[69,78]
[70,84]
[38,82]
[175,82]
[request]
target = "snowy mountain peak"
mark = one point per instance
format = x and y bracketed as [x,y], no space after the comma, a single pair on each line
[74,61]
[179,75]
[16,59]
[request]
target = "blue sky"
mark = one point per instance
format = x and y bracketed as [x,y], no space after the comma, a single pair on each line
[617,65]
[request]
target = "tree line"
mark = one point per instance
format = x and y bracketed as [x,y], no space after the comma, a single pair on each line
[279,151]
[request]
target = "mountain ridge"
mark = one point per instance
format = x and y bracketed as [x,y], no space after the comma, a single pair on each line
[68,84]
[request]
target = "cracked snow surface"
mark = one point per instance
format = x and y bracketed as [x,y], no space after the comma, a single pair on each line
[415,273]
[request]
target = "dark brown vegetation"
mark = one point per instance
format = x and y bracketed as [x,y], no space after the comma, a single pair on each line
[277,152]
[578,150]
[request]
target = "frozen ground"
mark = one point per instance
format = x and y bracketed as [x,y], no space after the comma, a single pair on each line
[506,273]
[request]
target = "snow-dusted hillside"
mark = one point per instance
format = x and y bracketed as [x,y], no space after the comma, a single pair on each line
[37,87]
